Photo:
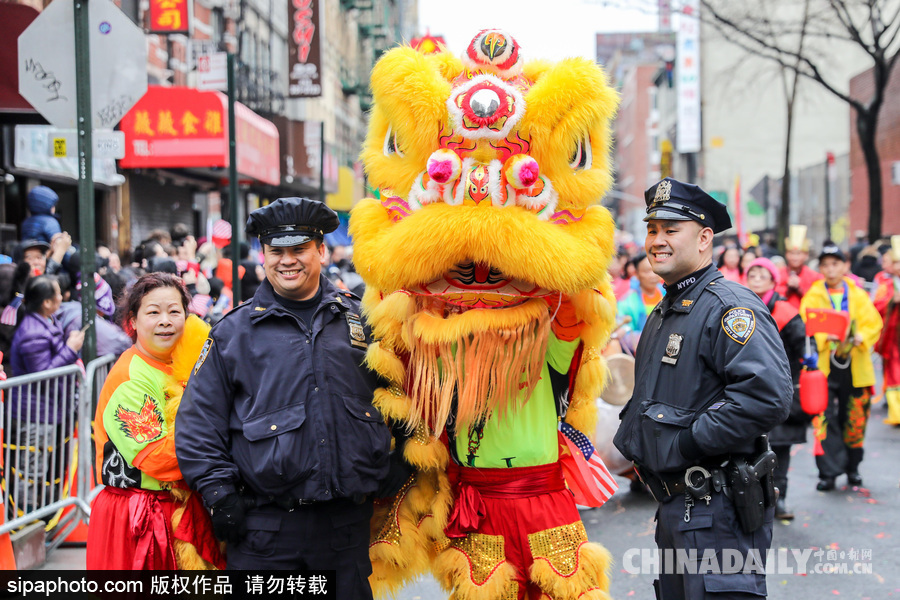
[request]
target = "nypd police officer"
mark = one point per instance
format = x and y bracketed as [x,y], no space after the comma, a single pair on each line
[711,378]
[276,429]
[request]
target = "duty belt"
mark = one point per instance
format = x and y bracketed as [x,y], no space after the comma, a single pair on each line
[289,503]
[697,480]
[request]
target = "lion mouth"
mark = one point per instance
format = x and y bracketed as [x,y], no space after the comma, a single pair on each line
[479,285]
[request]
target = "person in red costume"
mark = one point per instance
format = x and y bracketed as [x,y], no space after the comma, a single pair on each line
[145,517]
[796,278]
[887,301]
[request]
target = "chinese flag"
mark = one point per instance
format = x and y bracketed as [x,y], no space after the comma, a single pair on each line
[827,320]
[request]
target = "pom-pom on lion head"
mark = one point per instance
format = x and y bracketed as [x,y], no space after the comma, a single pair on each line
[488,170]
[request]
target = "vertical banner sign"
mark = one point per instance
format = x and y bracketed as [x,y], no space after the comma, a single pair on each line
[688,78]
[304,63]
[665,15]
[169,16]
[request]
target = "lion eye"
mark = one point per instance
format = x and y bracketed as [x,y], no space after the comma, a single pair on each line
[390,143]
[581,156]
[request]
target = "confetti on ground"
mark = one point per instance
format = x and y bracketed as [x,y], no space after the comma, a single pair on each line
[879,535]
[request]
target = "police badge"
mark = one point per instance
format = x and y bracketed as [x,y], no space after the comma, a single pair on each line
[739,323]
[673,349]
[357,333]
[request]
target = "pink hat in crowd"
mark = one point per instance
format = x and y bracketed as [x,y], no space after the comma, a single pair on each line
[767,265]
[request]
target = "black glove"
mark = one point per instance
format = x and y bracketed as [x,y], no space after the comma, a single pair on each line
[228,519]
[398,474]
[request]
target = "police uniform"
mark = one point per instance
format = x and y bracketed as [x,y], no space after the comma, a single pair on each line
[276,426]
[711,375]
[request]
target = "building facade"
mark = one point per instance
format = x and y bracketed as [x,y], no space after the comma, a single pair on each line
[288,144]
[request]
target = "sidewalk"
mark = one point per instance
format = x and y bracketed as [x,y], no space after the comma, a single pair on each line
[67,558]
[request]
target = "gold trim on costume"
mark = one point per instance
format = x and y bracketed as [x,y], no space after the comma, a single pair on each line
[485,553]
[590,354]
[559,546]
[390,532]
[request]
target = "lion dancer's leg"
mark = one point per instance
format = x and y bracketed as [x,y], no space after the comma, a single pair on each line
[516,534]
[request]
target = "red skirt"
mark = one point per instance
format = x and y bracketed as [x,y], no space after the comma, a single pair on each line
[131,529]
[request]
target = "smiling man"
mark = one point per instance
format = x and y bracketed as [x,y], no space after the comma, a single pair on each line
[711,377]
[276,429]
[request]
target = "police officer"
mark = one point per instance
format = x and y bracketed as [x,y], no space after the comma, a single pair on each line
[711,376]
[276,429]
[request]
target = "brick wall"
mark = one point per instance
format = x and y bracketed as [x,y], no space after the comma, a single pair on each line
[888,140]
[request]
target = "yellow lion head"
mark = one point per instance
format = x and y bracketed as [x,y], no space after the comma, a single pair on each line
[489,170]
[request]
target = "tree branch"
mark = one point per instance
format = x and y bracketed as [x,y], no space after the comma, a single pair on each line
[773,51]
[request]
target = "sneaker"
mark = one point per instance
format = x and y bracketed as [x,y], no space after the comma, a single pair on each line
[782,512]
[826,484]
[854,479]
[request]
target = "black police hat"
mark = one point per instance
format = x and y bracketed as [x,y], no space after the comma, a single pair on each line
[291,222]
[672,200]
[832,249]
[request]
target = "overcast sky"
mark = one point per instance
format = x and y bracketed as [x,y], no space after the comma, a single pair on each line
[550,29]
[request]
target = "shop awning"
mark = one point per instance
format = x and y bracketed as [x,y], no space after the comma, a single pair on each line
[178,127]
[14,19]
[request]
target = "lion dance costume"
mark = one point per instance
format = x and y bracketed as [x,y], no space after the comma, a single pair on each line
[485,264]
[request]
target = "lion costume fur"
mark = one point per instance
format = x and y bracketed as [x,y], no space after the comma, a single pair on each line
[486,229]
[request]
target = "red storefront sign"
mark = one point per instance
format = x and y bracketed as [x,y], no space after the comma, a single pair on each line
[176,127]
[169,16]
[304,52]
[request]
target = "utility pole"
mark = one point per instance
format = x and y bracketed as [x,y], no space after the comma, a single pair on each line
[233,187]
[86,209]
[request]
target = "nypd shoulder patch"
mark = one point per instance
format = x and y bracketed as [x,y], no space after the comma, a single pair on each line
[739,323]
[203,354]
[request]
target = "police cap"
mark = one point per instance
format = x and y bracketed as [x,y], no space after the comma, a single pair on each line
[672,200]
[291,222]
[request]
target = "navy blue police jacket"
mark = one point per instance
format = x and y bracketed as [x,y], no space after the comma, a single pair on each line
[711,375]
[281,410]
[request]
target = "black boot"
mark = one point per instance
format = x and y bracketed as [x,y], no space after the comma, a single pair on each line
[826,484]
[854,479]
[782,512]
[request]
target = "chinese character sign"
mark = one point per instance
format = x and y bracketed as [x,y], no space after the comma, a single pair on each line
[304,62]
[688,78]
[169,16]
[175,127]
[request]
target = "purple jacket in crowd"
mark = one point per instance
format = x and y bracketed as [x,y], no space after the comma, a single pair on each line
[39,344]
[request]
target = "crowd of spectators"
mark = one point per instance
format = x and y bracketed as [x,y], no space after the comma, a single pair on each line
[45,260]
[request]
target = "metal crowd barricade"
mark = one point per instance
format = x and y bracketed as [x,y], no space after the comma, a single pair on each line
[41,415]
[95,376]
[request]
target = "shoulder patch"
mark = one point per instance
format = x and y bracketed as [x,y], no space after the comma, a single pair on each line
[203,354]
[739,323]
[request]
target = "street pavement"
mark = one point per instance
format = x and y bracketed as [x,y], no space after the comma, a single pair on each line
[844,520]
